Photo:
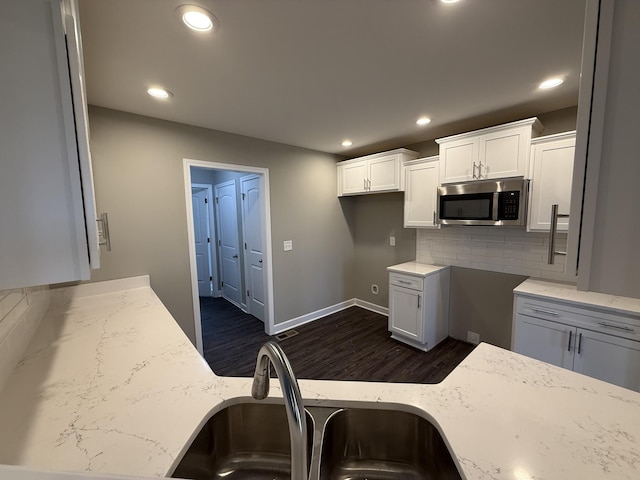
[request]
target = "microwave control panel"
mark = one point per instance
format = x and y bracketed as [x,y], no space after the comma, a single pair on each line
[508,205]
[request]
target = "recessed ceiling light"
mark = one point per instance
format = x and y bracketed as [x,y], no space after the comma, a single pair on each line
[159,92]
[423,121]
[449,1]
[347,143]
[550,83]
[197,18]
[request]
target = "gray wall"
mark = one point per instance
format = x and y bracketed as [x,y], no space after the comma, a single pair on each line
[615,262]
[138,172]
[376,218]
[482,302]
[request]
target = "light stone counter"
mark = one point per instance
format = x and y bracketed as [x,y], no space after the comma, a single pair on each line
[110,384]
[569,293]
[417,269]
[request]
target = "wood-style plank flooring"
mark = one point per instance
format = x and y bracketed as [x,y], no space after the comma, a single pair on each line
[353,344]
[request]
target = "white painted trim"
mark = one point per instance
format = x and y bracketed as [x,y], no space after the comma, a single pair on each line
[372,306]
[269,310]
[323,312]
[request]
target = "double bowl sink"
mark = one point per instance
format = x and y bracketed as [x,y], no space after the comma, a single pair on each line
[250,440]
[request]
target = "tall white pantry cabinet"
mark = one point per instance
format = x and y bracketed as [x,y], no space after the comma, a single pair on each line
[48,230]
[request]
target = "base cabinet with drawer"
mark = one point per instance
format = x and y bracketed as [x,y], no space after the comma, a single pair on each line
[593,342]
[419,305]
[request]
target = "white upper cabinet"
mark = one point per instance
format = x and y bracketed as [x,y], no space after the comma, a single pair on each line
[551,177]
[48,230]
[496,152]
[381,172]
[421,192]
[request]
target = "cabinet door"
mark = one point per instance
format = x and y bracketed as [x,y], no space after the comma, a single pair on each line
[353,178]
[405,313]
[420,194]
[43,238]
[543,340]
[608,358]
[384,174]
[551,177]
[458,160]
[504,154]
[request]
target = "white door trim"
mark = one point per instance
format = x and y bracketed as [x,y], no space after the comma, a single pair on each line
[213,262]
[269,310]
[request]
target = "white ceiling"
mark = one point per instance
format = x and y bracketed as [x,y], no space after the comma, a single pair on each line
[313,72]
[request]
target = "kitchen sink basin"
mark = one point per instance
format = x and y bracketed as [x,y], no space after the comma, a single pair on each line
[250,441]
[359,444]
[243,441]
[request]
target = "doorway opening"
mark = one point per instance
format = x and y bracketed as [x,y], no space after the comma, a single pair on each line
[229,234]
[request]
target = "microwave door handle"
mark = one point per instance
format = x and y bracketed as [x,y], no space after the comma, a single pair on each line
[494,213]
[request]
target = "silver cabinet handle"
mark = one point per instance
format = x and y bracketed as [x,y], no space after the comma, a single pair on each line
[569,346]
[418,301]
[364,184]
[404,282]
[579,343]
[480,170]
[474,169]
[105,239]
[369,184]
[552,233]
[545,312]
[617,327]
[434,217]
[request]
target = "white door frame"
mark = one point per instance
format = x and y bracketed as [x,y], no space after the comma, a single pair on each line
[266,232]
[213,261]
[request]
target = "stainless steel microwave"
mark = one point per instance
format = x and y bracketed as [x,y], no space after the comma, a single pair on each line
[484,202]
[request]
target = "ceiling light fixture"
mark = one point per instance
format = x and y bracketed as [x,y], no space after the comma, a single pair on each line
[160,93]
[347,143]
[423,121]
[197,18]
[449,1]
[550,83]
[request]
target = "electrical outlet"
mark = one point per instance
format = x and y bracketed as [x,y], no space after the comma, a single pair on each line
[288,245]
[473,337]
[374,288]
[392,241]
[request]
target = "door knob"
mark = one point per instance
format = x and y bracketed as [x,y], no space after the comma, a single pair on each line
[235,256]
[260,261]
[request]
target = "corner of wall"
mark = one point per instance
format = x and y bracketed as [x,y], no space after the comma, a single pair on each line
[21,311]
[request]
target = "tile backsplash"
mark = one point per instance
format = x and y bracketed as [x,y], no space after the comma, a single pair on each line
[21,311]
[498,249]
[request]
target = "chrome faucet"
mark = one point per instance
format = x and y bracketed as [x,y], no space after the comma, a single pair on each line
[272,353]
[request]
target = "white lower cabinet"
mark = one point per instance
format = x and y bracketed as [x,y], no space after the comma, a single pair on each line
[589,341]
[419,307]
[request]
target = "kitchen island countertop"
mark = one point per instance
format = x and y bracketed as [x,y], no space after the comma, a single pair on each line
[111,384]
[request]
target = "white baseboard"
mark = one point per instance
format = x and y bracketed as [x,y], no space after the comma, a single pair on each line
[323,312]
[371,306]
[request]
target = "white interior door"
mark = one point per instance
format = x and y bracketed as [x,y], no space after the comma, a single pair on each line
[202,237]
[228,241]
[251,188]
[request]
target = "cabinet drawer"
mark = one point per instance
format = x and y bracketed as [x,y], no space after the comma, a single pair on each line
[605,322]
[407,281]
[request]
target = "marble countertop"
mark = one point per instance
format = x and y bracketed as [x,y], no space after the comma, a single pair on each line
[110,384]
[570,294]
[414,268]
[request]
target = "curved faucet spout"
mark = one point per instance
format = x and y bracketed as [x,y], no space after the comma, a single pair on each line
[272,354]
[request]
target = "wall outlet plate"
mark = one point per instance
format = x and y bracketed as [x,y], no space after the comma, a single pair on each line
[473,337]
[392,241]
[374,289]
[288,245]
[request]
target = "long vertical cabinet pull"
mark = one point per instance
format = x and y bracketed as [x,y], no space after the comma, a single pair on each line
[569,345]
[474,170]
[418,301]
[579,342]
[552,233]
[103,233]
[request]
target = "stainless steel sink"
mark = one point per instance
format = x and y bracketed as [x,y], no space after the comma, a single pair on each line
[250,441]
[359,444]
[243,441]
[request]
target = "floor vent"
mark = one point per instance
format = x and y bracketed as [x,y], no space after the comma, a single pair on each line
[287,334]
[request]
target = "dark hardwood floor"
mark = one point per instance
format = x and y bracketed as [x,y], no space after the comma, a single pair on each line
[353,344]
